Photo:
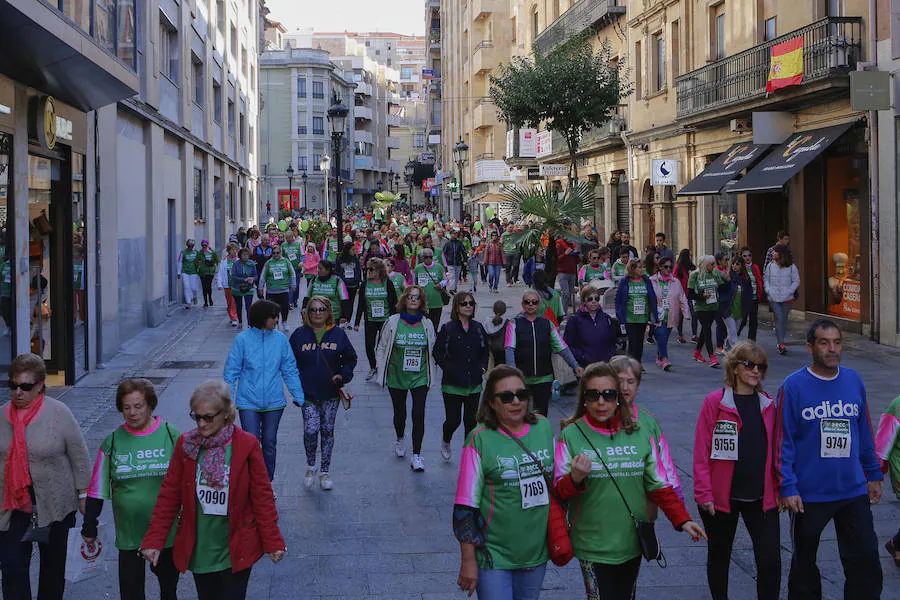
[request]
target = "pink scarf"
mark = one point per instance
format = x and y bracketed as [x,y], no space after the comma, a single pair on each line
[16,477]
[213,467]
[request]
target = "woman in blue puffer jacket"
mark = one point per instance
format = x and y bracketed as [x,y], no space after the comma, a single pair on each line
[259,365]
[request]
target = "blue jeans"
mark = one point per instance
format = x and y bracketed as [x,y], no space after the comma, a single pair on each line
[264,425]
[662,341]
[566,283]
[517,584]
[781,310]
[493,276]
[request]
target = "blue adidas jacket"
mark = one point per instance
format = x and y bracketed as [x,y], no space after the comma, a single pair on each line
[257,365]
[315,374]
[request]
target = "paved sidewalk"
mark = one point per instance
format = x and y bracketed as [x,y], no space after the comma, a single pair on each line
[384,531]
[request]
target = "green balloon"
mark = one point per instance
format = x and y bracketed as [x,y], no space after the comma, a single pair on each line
[478,225]
[282,225]
[489,212]
[304,226]
[424,230]
[431,222]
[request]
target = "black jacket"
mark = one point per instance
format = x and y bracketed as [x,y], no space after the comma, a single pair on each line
[462,355]
[455,253]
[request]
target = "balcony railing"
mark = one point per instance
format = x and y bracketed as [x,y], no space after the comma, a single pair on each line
[575,20]
[831,47]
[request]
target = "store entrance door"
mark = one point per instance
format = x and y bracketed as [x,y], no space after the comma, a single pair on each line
[767,214]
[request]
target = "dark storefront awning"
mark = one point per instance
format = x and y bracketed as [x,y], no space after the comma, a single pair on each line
[724,169]
[788,159]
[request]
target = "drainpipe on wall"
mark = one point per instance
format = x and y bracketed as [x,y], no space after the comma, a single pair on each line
[874,261]
[628,174]
[98,288]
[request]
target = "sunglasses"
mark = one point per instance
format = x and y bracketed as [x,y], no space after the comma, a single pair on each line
[317,309]
[204,418]
[750,365]
[608,395]
[530,302]
[467,303]
[25,387]
[592,299]
[746,255]
[665,266]
[507,397]
[412,297]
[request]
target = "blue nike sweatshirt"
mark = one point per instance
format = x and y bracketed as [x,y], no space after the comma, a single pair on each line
[825,447]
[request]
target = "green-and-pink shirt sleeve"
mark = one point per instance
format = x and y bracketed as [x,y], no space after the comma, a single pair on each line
[100,484]
[556,341]
[510,341]
[342,290]
[563,462]
[471,478]
[582,272]
[888,429]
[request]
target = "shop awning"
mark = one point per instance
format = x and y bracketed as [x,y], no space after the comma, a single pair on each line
[788,159]
[724,169]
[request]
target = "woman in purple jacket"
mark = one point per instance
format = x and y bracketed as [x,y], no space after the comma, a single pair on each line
[590,333]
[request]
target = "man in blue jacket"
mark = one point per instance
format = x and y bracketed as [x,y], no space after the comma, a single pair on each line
[828,469]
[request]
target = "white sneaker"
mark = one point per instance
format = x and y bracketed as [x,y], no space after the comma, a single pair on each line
[325,482]
[417,464]
[310,477]
[234,323]
[371,374]
[446,453]
[400,447]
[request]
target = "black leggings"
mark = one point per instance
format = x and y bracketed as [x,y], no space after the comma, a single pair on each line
[222,585]
[453,404]
[706,318]
[373,328]
[435,315]
[133,570]
[635,333]
[206,280]
[752,318]
[282,299]
[398,398]
[347,305]
[610,582]
[15,559]
[540,394]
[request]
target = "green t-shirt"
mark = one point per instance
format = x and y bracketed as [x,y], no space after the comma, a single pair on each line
[189,262]
[502,481]
[590,273]
[229,262]
[888,442]
[278,275]
[425,278]
[554,303]
[377,309]
[399,282]
[753,282]
[78,275]
[5,279]
[408,364]
[207,262]
[618,269]
[294,253]
[331,289]
[211,551]
[638,302]
[663,300]
[601,528]
[736,312]
[706,286]
[331,246]
[129,471]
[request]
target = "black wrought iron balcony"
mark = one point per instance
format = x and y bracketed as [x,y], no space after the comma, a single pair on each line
[831,48]
[579,17]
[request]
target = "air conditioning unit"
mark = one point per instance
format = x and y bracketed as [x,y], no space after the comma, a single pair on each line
[616,125]
[741,125]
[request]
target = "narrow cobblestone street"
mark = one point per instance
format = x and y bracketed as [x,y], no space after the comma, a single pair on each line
[384,532]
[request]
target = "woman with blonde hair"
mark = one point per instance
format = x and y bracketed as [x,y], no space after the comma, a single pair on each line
[404,354]
[735,473]
[704,286]
[607,497]
[636,306]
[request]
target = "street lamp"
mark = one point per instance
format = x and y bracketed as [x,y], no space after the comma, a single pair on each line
[290,174]
[303,178]
[410,171]
[396,182]
[337,115]
[391,179]
[379,186]
[461,152]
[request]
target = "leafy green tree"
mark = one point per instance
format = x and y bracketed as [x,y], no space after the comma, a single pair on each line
[571,90]
[545,211]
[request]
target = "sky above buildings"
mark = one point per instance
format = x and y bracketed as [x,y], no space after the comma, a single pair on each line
[397,16]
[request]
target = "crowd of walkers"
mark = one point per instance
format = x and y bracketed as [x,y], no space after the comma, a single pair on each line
[528,492]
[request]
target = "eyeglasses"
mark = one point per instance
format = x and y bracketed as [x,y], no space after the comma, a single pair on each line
[25,387]
[412,297]
[204,418]
[608,395]
[467,303]
[317,309]
[746,256]
[507,397]
[665,266]
[592,299]
[750,365]
[530,302]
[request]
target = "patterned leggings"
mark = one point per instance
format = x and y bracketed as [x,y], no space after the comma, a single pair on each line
[318,420]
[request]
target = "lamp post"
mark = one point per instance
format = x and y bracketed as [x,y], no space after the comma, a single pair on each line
[461,153]
[325,167]
[391,180]
[290,174]
[396,182]
[337,115]
[303,178]
[410,171]
[379,186]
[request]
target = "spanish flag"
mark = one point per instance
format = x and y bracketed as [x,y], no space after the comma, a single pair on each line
[787,65]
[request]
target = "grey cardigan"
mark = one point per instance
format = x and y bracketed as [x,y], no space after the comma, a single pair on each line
[57,459]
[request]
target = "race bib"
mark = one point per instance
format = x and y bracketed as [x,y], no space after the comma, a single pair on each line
[377,309]
[213,500]
[349,272]
[725,441]
[835,438]
[277,274]
[710,296]
[533,486]
[292,255]
[423,280]
[640,305]
[665,304]
[412,360]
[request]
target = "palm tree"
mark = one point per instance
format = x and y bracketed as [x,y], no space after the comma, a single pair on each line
[547,212]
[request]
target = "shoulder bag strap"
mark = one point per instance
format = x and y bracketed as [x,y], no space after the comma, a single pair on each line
[608,472]
[547,478]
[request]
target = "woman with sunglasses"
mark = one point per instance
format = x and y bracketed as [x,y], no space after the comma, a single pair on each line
[735,473]
[44,469]
[331,286]
[502,500]
[590,333]
[404,354]
[216,478]
[326,360]
[636,306]
[603,536]
[259,365]
[531,341]
[276,281]
[673,306]
[462,351]
[704,287]
[377,301]
[243,281]
[398,279]
[738,302]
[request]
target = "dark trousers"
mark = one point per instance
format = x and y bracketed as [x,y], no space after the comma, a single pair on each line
[635,332]
[283,300]
[693,321]
[133,570]
[398,398]
[611,582]
[222,585]
[15,559]
[453,405]
[347,305]
[765,535]
[435,315]
[206,282]
[751,317]
[706,318]
[540,394]
[373,329]
[721,331]
[512,268]
[483,271]
[243,306]
[857,547]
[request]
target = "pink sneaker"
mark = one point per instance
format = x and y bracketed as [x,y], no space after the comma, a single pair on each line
[699,357]
[713,361]
[665,364]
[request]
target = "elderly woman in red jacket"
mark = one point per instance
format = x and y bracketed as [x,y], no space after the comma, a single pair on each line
[217,480]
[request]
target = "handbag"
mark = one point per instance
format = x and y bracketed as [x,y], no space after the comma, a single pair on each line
[445,297]
[646,530]
[558,543]
[34,533]
[346,399]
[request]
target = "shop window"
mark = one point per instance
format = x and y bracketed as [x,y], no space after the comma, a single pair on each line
[7,271]
[844,252]
[726,224]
